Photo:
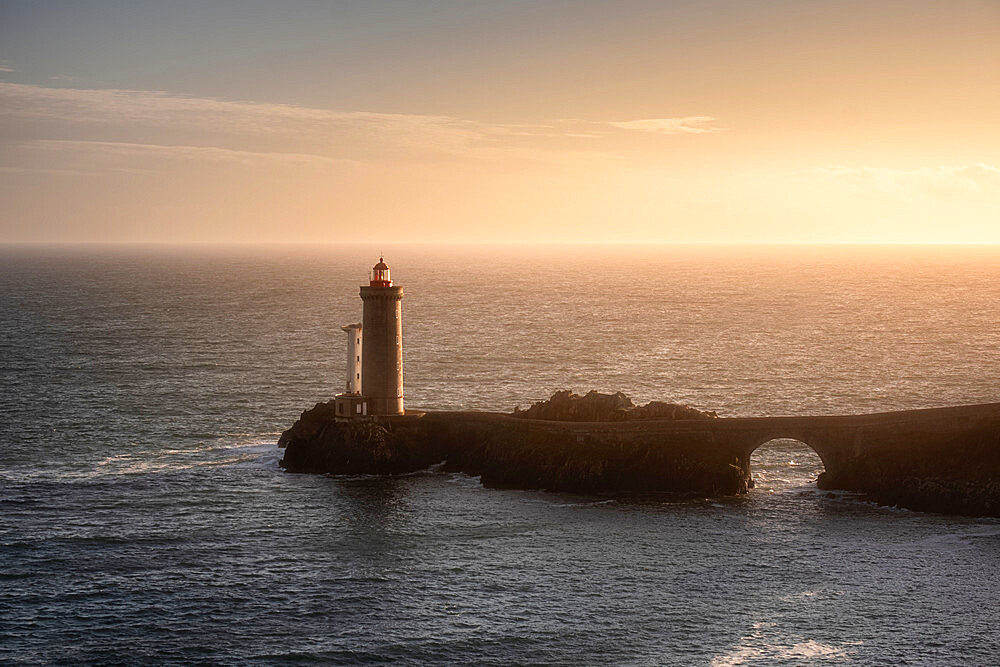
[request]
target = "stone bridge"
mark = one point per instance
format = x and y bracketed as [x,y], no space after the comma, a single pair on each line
[940,459]
[945,459]
[846,442]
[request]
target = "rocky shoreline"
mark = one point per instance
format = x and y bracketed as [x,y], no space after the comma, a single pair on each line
[515,450]
[945,460]
[951,472]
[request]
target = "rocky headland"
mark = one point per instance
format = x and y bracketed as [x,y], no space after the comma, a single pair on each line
[942,460]
[567,443]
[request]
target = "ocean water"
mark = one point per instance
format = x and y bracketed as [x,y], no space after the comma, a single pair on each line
[144,516]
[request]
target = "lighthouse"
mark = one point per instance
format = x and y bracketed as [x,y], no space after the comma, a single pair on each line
[353,331]
[382,343]
[351,404]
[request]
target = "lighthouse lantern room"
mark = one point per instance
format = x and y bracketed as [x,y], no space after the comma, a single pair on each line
[380,274]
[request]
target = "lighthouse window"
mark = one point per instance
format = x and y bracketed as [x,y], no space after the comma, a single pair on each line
[359,341]
[358,375]
[359,357]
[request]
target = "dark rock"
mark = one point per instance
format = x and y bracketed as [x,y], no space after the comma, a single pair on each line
[948,470]
[939,460]
[532,454]
[669,411]
[597,407]
[515,452]
[319,443]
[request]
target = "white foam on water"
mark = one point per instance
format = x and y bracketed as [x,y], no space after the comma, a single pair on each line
[959,539]
[590,503]
[462,479]
[761,647]
[250,449]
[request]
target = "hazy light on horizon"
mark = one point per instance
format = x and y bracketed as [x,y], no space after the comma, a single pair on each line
[714,122]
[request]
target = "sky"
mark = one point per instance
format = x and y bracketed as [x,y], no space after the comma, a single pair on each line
[435,121]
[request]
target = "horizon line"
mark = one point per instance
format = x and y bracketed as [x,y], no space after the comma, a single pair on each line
[209,244]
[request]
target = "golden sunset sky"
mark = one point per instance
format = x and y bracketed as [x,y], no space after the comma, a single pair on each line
[572,121]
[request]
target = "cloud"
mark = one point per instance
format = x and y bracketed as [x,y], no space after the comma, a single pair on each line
[157,124]
[161,109]
[940,182]
[683,125]
[7,66]
[203,153]
[164,110]
[40,170]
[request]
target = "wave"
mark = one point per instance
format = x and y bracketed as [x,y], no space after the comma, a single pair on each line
[256,450]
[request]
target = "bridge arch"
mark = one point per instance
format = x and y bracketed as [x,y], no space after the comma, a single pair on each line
[772,453]
[811,441]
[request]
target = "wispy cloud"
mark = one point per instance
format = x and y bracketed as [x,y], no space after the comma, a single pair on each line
[941,182]
[683,125]
[172,126]
[161,109]
[209,153]
[40,170]
[7,66]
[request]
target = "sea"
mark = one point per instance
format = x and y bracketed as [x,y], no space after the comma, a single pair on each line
[145,519]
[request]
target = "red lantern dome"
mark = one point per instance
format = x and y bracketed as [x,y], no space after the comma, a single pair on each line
[380,274]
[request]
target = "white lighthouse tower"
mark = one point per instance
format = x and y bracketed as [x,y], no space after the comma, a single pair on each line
[351,404]
[353,358]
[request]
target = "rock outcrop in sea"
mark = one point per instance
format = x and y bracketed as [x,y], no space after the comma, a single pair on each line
[597,407]
[941,459]
[952,470]
[567,443]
